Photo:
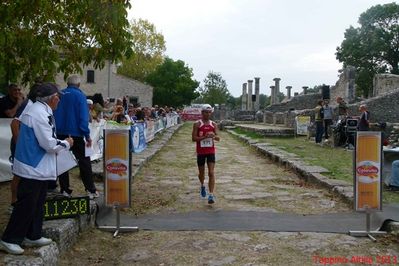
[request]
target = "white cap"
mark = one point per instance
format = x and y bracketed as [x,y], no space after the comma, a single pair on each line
[89,101]
[207,107]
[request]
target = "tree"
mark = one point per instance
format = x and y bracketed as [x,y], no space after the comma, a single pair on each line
[41,38]
[374,46]
[214,90]
[148,47]
[173,83]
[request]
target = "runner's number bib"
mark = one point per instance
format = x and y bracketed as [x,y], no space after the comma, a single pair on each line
[205,143]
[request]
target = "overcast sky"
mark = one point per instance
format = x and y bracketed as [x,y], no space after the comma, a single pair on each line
[242,39]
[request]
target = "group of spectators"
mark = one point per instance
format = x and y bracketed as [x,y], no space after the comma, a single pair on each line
[46,123]
[324,117]
[122,111]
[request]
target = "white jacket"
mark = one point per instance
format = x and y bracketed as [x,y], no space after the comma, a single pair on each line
[37,144]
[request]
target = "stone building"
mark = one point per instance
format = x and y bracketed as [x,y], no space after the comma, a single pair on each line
[111,85]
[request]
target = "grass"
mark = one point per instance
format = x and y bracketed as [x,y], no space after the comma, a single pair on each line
[337,161]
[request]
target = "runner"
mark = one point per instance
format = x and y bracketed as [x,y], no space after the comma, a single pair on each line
[204,134]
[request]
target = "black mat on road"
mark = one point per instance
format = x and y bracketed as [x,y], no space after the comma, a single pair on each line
[218,220]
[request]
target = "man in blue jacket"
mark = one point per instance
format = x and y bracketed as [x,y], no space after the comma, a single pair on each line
[72,119]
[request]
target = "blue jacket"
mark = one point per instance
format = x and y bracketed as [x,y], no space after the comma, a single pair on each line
[72,114]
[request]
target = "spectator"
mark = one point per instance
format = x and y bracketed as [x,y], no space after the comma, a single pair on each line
[72,119]
[327,117]
[34,164]
[319,121]
[364,120]
[10,103]
[342,108]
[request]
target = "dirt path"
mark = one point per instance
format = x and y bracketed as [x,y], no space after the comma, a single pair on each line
[245,181]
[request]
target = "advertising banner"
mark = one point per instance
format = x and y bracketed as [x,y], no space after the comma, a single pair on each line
[192,113]
[150,130]
[138,137]
[302,123]
[367,171]
[117,166]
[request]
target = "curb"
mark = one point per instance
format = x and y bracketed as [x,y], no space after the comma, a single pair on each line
[307,172]
[65,232]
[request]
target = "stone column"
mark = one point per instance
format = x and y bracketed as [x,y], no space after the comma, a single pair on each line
[250,105]
[257,86]
[272,97]
[305,89]
[276,89]
[288,92]
[244,97]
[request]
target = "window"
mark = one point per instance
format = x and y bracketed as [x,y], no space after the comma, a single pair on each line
[90,76]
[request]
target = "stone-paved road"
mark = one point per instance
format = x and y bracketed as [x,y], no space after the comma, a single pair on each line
[245,181]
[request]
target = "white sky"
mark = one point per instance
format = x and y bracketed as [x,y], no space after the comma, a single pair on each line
[294,40]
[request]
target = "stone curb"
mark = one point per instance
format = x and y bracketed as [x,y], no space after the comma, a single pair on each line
[307,172]
[65,232]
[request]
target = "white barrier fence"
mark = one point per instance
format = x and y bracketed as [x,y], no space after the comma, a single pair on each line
[151,128]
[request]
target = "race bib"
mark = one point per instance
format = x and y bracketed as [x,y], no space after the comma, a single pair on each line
[206,143]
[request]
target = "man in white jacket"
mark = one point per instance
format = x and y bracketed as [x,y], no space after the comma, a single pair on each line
[35,165]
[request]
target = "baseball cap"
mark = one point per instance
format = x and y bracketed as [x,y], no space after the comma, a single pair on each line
[47,89]
[207,107]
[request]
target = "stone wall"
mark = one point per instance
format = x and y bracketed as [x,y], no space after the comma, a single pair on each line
[299,102]
[384,83]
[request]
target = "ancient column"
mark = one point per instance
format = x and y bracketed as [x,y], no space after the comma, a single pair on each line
[257,93]
[305,89]
[244,97]
[276,89]
[288,92]
[250,105]
[272,97]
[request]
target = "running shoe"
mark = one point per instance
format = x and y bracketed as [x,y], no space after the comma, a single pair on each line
[203,191]
[211,199]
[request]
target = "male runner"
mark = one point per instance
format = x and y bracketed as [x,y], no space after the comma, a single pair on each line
[204,134]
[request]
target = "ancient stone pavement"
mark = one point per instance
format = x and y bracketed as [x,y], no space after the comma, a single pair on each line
[245,182]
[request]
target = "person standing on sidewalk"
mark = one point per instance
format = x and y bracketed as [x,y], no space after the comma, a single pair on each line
[204,134]
[72,119]
[34,164]
[319,121]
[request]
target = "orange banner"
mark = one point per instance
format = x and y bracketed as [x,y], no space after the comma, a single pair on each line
[368,168]
[117,167]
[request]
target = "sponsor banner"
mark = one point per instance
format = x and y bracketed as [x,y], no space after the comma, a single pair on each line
[191,113]
[96,135]
[159,126]
[302,124]
[367,171]
[138,137]
[117,167]
[149,130]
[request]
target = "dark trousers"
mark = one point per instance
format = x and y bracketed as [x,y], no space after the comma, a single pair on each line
[27,217]
[84,163]
[319,131]
[327,123]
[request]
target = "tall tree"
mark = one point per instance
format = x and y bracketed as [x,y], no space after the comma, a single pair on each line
[148,48]
[40,38]
[374,46]
[173,83]
[215,89]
